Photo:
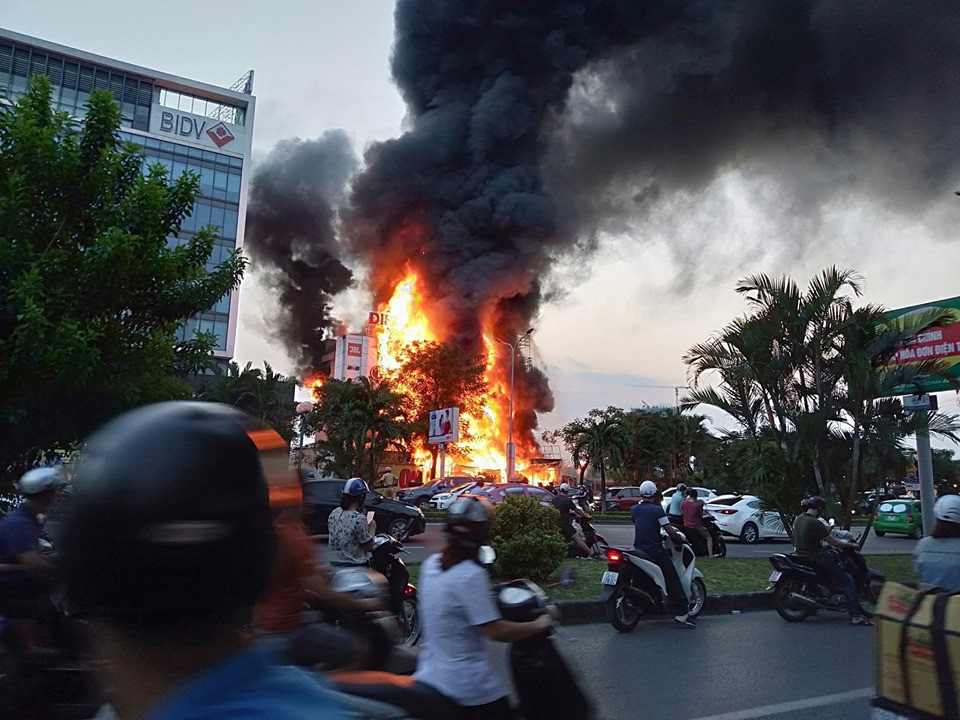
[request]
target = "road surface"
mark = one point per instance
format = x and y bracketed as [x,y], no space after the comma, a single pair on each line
[752,665]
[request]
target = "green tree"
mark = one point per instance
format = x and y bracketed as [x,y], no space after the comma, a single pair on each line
[440,375]
[264,394]
[93,291]
[806,373]
[598,440]
[357,421]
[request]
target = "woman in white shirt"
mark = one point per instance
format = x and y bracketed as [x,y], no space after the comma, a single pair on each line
[459,613]
[937,559]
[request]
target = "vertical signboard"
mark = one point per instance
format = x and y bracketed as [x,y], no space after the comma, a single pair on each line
[355,356]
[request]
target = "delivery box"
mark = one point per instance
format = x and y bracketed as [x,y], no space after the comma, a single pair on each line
[918,650]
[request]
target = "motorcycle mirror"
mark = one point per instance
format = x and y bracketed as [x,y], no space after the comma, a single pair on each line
[832,522]
[487,555]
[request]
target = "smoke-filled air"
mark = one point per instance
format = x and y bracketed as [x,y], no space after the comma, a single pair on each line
[536,127]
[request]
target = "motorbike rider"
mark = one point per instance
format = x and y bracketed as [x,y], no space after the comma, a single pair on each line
[458,611]
[351,534]
[567,509]
[675,507]
[692,512]
[937,558]
[387,484]
[808,532]
[297,579]
[24,572]
[166,548]
[649,519]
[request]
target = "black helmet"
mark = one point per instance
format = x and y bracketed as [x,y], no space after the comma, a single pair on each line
[171,518]
[816,502]
[468,521]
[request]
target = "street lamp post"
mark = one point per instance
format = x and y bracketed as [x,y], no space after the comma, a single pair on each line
[511,448]
[302,409]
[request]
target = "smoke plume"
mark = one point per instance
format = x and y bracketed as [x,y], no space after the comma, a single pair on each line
[291,235]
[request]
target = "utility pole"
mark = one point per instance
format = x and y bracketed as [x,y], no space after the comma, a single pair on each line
[676,390]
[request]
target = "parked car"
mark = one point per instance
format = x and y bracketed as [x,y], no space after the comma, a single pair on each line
[901,516]
[867,501]
[497,493]
[741,516]
[320,497]
[624,498]
[421,494]
[443,500]
[705,494]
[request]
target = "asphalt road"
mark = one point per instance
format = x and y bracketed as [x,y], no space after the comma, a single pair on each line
[752,665]
[431,541]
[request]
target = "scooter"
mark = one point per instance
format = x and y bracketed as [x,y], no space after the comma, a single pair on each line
[698,544]
[531,661]
[594,540]
[385,559]
[801,589]
[633,584]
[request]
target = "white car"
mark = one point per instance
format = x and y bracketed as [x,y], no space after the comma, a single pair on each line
[742,517]
[703,494]
[441,501]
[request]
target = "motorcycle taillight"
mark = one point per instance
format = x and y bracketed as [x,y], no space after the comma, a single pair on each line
[614,558]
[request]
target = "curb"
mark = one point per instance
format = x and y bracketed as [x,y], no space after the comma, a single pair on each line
[580,612]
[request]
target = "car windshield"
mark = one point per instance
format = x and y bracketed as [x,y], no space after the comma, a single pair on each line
[885,507]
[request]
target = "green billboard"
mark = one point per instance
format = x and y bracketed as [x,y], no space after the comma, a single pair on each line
[940,343]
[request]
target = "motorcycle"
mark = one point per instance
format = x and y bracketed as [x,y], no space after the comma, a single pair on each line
[378,695]
[698,544]
[633,584]
[45,668]
[385,559]
[594,540]
[800,589]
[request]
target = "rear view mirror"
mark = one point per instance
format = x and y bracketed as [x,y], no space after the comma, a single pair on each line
[486,555]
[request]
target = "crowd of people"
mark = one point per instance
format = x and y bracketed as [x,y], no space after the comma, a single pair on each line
[193,568]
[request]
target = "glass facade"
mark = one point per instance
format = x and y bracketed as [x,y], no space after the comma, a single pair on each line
[217,207]
[218,204]
[73,82]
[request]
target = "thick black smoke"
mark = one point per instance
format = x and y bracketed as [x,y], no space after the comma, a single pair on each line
[827,100]
[291,235]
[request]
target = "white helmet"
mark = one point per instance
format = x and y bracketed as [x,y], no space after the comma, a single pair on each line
[40,479]
[648,488]
[947,509]
[564,487]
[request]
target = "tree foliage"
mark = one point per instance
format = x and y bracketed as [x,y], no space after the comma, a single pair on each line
[357,421]
[527,539]
[92,292]
[439,375]
[809,377]
[264,394]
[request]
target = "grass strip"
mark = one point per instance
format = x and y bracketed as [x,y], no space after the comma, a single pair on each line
[721,575]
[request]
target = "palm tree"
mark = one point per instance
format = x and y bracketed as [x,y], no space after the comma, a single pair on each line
[264,394]
[600,439]
[359,421]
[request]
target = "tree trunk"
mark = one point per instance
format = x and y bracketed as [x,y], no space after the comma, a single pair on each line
[583,471]
[847,504]
[603,489]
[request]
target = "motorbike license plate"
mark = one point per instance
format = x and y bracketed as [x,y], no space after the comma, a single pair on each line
[774,576]
[609,578]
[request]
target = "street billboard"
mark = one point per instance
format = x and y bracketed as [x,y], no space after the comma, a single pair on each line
[940,343]
[444,425]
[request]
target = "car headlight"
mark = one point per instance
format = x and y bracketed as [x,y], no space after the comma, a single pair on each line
[444,496]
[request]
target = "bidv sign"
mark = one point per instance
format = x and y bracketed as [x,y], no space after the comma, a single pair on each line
[196,129]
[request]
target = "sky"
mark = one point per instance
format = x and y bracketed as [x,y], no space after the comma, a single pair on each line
[625,316]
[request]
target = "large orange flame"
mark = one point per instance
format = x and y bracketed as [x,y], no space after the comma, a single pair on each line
[484,453]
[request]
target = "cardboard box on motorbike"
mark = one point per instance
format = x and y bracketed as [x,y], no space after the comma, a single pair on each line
[918,650]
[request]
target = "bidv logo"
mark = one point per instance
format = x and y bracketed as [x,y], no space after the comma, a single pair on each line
[189,126]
